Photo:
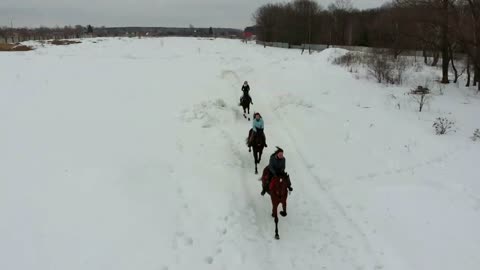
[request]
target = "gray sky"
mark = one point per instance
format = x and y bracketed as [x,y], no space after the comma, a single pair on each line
[200,13]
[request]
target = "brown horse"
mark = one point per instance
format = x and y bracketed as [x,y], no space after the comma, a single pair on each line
[278,189]
[245,103]
[257,143]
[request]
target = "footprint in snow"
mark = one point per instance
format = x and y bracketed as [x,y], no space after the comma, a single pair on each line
[188,241]
[209,260]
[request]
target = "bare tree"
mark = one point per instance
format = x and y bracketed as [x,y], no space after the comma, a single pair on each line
[340,11]
[306,11]
[420,95]
[468,33]
[438,17]
[267,18]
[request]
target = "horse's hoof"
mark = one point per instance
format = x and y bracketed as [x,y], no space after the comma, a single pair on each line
[277,237]
[249,150]
[284,214]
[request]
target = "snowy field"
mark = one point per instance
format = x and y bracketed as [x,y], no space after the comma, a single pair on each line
[130,154]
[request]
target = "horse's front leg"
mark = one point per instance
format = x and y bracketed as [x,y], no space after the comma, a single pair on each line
[274,206]
[284,206]
[275,216]
[276,229]
[256,160]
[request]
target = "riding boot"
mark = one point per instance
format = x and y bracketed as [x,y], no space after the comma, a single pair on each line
[265,188]
[252,137]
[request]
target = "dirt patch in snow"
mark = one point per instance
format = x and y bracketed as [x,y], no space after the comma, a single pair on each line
[63,42]
[14,48]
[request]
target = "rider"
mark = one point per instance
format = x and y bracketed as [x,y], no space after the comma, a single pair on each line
[257,127]
[276,168]
[245,90]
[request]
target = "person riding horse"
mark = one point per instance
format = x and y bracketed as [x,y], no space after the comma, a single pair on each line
[257,129]
[246,90]
[276,168]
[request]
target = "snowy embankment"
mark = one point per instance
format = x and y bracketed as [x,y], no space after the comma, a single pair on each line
[130,154]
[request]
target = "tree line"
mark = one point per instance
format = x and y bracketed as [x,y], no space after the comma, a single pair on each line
[441,29]
[41,33]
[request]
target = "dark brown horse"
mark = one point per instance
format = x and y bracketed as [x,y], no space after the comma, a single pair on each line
[278,189]
[245,103]
[257,143]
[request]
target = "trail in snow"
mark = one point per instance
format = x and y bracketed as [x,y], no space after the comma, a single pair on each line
[313,193]
[276,134]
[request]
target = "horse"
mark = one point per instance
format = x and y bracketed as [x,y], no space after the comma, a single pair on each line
[258,143]
[245,103]
[278,191]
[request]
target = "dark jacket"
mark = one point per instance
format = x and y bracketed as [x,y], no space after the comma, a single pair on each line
[246,89]
[276,165]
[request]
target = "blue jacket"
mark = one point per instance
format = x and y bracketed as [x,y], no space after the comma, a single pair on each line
[257,124]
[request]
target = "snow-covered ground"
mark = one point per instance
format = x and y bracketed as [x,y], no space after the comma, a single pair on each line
[130,154]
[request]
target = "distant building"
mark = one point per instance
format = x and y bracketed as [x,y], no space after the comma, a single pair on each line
[250,32]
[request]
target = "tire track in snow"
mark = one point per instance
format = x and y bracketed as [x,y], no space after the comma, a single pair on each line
[428,163]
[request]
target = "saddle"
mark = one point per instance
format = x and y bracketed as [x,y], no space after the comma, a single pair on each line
[251,135]
[245,98]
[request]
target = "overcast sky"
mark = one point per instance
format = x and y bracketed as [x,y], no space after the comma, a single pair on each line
[200,13]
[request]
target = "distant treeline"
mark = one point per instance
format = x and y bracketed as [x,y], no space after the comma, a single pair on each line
[12,35]
[441,28]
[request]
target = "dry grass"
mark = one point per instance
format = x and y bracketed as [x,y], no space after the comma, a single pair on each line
[14,48]
[59,42]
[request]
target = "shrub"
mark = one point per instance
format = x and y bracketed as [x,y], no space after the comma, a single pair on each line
[386,69]
[421,96]
[347,60]
[442,126]
[476,135]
